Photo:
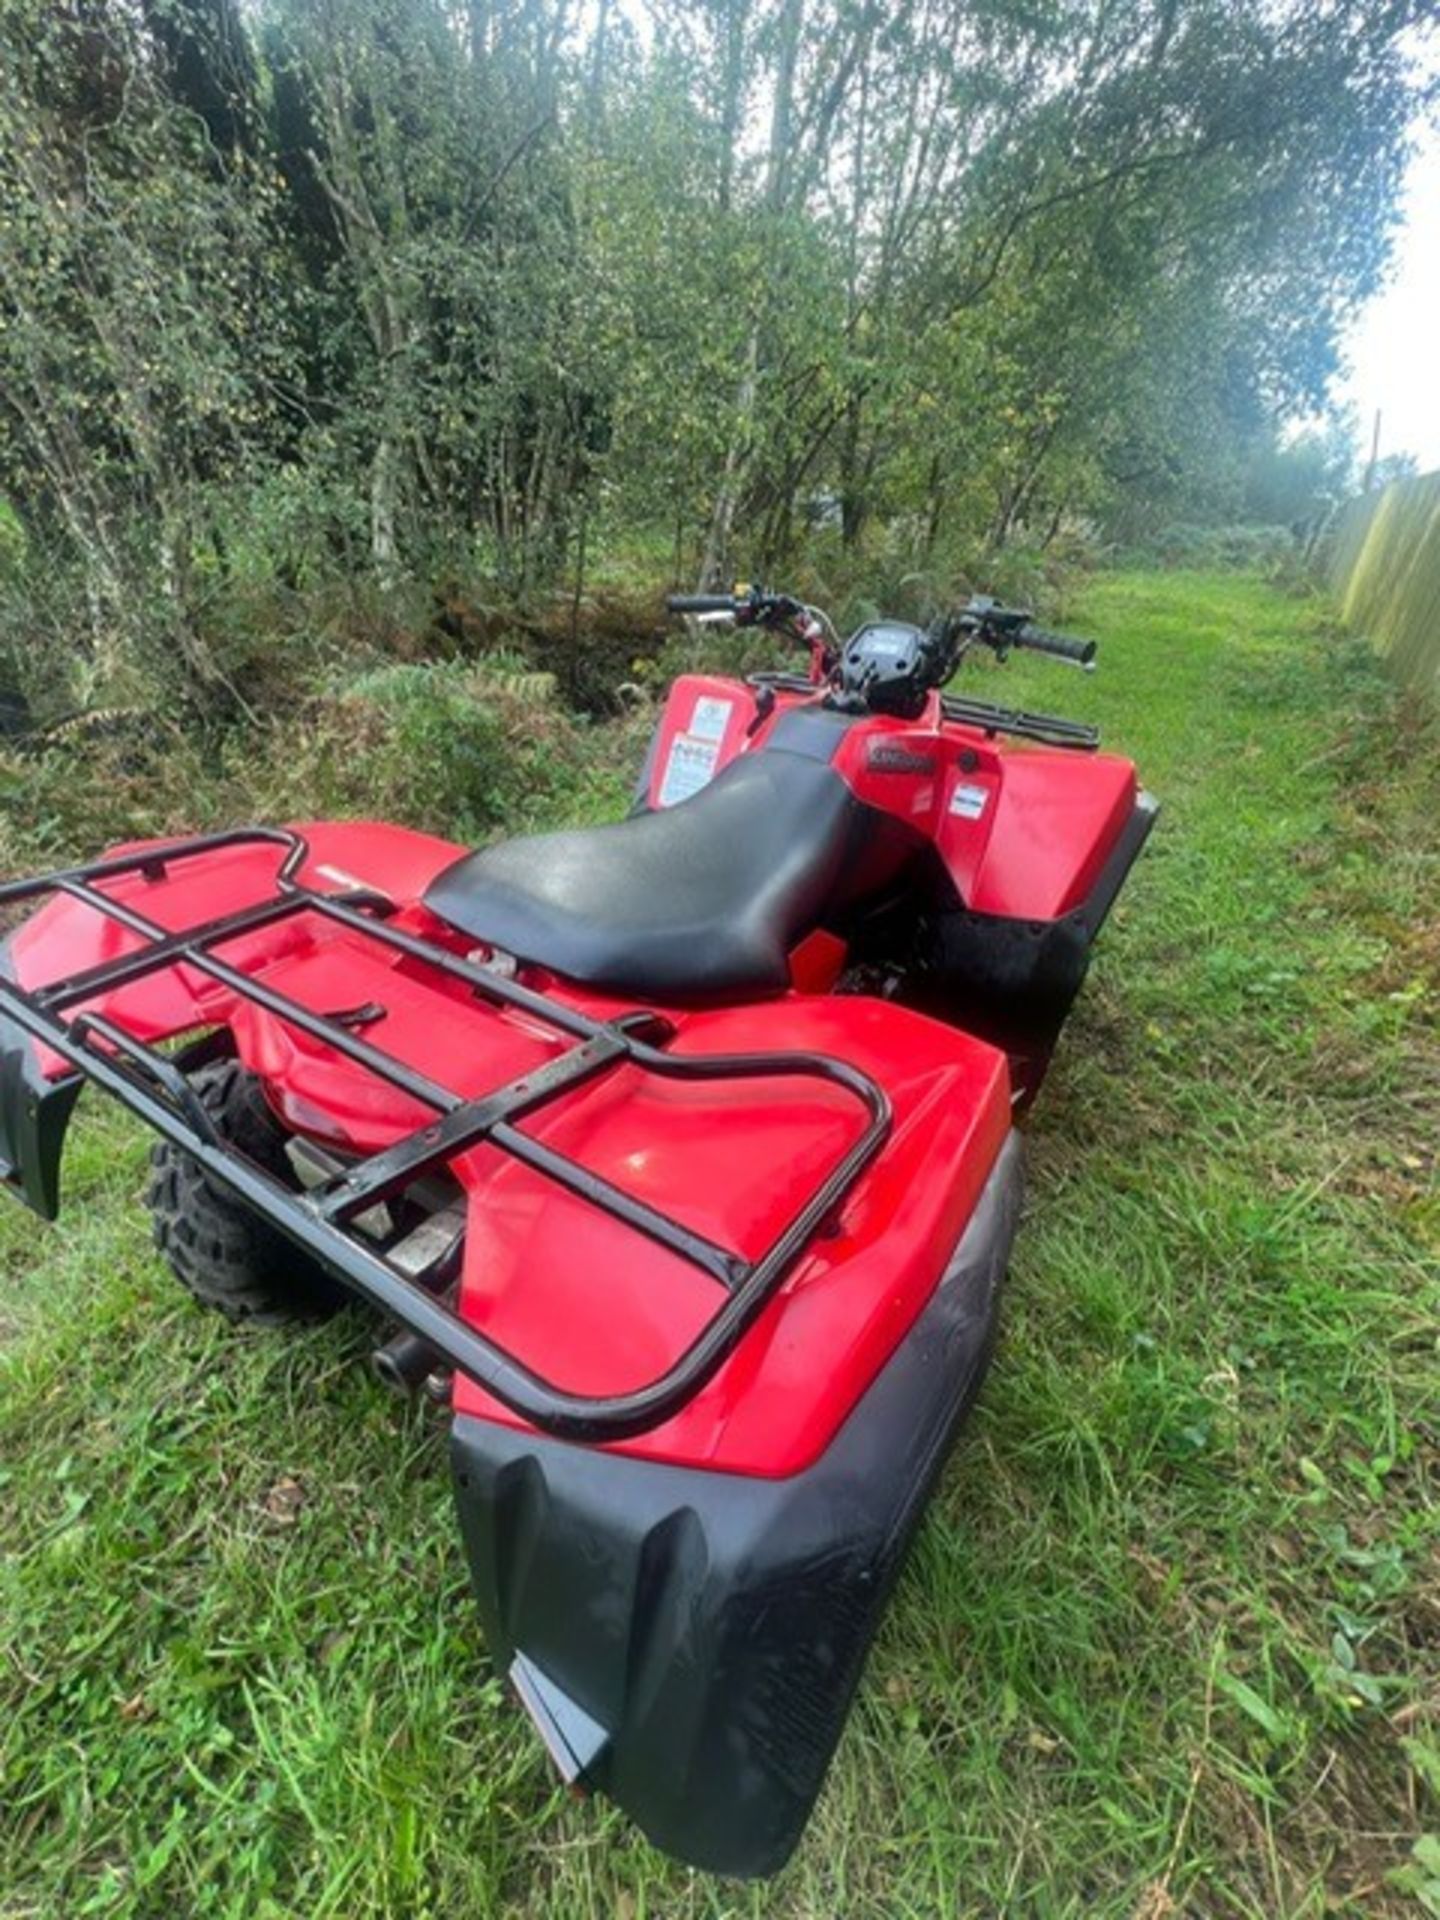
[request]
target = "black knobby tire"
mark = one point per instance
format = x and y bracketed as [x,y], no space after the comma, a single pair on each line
[220,1249]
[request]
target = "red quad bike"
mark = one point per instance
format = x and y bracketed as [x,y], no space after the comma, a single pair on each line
[682,1151]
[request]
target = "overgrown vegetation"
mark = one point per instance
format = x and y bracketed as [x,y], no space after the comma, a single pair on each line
[1169,1641]
[322,317]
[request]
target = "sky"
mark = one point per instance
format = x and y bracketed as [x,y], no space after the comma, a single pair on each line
[1394,348]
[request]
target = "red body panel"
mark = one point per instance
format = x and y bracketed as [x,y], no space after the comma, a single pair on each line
[1038,848]
[1023,830]
[736,1164]
[706,722]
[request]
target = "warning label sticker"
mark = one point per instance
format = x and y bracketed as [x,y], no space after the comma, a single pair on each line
[711,717]
[969,803]
[688,767]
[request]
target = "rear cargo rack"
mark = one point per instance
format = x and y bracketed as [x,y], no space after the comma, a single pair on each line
[149,1083]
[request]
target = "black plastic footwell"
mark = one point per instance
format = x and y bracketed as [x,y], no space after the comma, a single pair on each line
[689,1642]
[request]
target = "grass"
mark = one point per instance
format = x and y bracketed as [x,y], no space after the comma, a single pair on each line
[1170,1641]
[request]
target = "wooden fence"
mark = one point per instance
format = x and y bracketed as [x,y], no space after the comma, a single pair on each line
[1382,560]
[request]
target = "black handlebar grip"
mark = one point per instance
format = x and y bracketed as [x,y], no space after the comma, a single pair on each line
[1061,645]
[701,602]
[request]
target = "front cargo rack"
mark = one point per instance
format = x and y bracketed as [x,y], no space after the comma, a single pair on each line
[1049,728]
[33,1112]
[1052,729]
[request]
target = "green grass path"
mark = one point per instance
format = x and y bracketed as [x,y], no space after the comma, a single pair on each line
[1170,1642]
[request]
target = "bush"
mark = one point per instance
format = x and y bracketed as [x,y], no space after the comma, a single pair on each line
[453,750]
[1267,549]
[414,743]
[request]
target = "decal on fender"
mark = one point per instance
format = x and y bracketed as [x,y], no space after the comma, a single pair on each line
[710,718]
[889,756]
[969,803]
[689,766]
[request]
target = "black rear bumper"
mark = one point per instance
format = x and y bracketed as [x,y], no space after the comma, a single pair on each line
[688,1642]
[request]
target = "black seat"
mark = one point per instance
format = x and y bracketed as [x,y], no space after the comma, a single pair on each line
[704,898]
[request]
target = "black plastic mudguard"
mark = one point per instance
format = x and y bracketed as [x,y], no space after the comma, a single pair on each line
[689,1642]
[34,1115]
[1013,981]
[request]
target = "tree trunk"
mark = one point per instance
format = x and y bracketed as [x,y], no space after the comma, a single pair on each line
[731,85]
[715,568]
[852,492]
[934,506]
[384,509]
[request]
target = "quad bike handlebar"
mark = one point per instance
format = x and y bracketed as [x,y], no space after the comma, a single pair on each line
[980,618]
[1060,646]
[1002,628]
[887,665]
[750,607]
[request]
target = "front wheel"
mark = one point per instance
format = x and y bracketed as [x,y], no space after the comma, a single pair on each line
[218,1248]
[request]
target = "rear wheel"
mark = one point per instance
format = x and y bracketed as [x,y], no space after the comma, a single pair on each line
[219,1249]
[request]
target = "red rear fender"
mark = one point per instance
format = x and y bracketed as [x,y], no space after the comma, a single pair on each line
[595,1307]
[65,937]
